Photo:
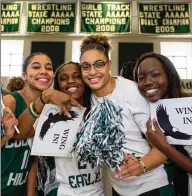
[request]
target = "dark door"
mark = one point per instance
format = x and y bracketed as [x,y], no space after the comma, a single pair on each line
[55,50]
[128,51]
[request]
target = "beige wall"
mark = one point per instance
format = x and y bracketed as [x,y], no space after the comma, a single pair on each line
[115,39]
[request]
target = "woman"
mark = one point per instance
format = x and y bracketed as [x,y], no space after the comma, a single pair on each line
[27,104]
[71,177]
[158,79]
[138,176]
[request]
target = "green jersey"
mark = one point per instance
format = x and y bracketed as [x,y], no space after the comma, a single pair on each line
[15,159]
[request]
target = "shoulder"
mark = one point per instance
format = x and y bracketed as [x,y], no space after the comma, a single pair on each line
[128,86]
[126,82]
[9,101]
[132,94]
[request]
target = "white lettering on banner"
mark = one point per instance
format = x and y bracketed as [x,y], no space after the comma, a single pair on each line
[17,179]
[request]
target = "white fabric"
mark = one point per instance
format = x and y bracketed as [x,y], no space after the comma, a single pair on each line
[190,184]
[189,150]
[79,174]
[135,115]
[74,178]
[85,181]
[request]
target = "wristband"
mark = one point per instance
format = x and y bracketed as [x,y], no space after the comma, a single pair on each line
[41,99]
[34,109]
[32,112]
[143,165]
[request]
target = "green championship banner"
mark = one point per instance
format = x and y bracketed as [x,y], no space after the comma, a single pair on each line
[11,17]
[164,18]
[105,17]
[51,17]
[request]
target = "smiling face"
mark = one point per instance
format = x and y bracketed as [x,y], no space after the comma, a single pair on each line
[96,79]
[152,79]
[39,73]
[70,81]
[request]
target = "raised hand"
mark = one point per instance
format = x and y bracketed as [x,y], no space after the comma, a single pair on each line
[8,121]
[156,138]
[63,100]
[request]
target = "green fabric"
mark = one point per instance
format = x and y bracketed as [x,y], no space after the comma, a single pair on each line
[15,159]
[53,192]
[169,190]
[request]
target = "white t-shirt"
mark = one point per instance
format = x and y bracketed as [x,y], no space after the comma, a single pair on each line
[135,115]
[77,178]
[69,177]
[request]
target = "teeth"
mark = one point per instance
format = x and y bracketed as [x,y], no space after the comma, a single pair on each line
[72,89]
[43,80]
[151,92]
[94,80]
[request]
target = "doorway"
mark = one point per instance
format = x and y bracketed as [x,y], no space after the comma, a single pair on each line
[129,51]
[55,50]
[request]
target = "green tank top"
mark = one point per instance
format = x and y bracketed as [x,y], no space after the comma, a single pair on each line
[15,159]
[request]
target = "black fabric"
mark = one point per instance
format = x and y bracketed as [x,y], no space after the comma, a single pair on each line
[154,192]
[182,179]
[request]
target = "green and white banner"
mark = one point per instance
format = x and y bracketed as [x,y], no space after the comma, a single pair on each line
[168,18]
[106,17]
[51,17]
[11,17]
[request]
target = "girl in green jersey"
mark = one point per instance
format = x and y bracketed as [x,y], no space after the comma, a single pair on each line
[26,104]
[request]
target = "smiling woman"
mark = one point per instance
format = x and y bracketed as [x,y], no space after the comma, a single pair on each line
[68,80]
[140,159]
[27,104]
[158,79]
[71,176]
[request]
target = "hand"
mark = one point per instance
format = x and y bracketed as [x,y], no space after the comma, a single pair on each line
[8,121]
[157,138]
[63,100]
[131,167]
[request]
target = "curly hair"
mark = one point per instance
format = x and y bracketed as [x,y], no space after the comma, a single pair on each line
[96,42]
[15,84]
[174,83]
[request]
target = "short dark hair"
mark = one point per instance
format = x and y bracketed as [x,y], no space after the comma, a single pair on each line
[174,83]
[87,92]
[127,69]
[27,60]
[57,72]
